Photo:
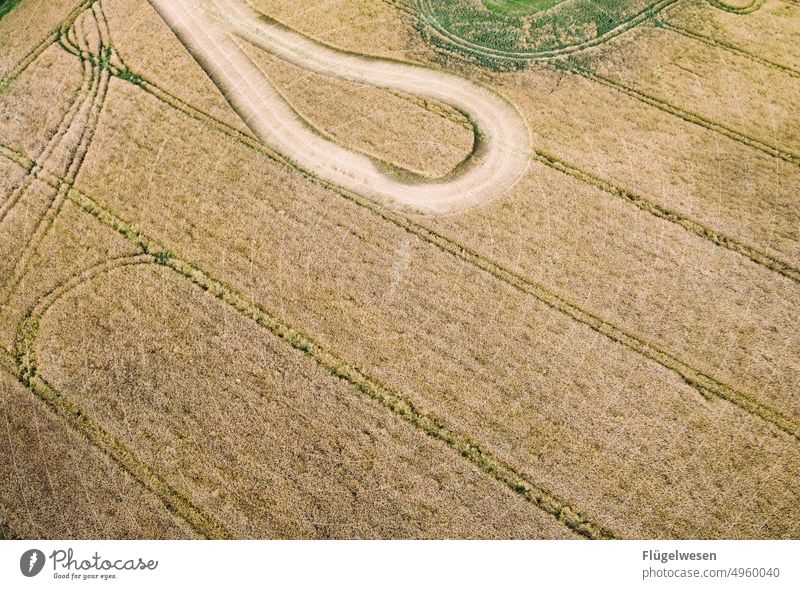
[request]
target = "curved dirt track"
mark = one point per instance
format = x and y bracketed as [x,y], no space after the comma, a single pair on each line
[208,27]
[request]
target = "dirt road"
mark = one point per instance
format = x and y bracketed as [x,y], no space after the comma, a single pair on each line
[208,27]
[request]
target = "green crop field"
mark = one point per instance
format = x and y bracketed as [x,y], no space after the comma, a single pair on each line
[527,28]
[520,6]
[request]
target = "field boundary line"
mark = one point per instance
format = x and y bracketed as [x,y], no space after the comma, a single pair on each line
[708,40]
[52,142]
[684,114]
[672,216]
[22,364]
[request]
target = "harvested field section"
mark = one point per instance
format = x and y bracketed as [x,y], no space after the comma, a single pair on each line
[150,49]
[375,28]
[26,120]
[770,32]
[705,176]
[543,392]
[57,485]
[415,134]
[252,430]
[712,308]
[731,90]
[23,29]
[75,242]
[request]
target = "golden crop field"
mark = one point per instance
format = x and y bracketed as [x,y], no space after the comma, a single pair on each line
[400,269]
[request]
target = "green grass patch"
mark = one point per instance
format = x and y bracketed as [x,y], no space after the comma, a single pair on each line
[520,6]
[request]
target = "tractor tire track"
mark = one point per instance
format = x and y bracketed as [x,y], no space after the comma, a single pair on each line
[672,216]
[685,115]
[659,22]
[22,364]
[92,106]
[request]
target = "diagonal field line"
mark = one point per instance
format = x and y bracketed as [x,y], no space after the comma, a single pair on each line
[423,14]
[176,503]
[685,115]
[670,215]
[660,22]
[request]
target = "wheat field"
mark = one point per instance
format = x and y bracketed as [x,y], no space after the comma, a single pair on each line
[544,286]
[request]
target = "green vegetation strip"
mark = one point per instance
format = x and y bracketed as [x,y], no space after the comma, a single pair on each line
[399,405]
